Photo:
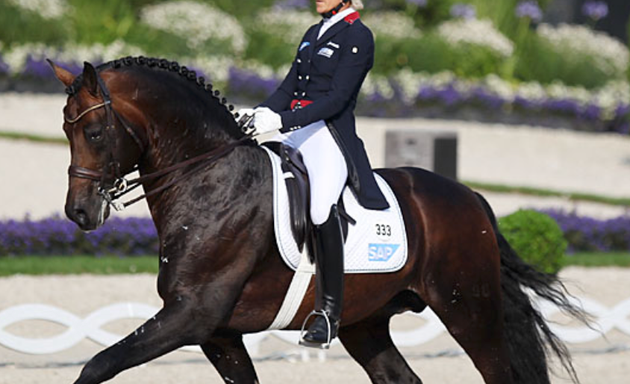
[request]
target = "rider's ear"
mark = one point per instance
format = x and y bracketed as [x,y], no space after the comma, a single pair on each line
[64,76]
[90,81]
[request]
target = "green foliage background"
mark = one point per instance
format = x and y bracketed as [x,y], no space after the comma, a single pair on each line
[108,21]
[536,237]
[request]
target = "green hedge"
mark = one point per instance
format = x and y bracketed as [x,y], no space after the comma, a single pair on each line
[105,22]
[536,237]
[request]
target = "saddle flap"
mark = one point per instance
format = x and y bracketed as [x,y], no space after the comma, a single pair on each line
[377,243]
[296,179]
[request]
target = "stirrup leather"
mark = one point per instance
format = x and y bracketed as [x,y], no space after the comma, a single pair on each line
[325,345]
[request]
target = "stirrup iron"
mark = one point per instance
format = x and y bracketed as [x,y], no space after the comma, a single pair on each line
[309,344]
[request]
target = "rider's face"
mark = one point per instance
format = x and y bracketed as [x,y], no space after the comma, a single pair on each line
[326,5]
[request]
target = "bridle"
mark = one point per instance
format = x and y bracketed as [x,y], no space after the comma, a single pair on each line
[112,183]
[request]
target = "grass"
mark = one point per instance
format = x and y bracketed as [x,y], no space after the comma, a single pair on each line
[112,265]
[574,196]
[33,138]
[595,259]
[74,265]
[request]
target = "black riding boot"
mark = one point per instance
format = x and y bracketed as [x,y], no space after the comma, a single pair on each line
[328,239]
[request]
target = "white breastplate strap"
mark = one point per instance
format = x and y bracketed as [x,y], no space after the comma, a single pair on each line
[295,294]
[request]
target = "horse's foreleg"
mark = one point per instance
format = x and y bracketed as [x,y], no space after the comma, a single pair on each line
[171,328]
[230,358]
[370,344]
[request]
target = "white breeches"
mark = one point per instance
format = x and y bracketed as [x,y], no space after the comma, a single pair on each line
[326,166]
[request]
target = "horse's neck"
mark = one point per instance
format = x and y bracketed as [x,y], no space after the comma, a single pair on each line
[170,145]
[218,189]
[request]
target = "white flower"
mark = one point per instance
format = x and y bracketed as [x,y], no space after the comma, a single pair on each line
[393,24]
[97,53]
[477,32]
[607,98]
[610,55]
[261,70]
[216,67]
[375,84]
[195,22]
[532,91]
[610,96]
[410,83]
[499,87]
[48,9]
[287,24]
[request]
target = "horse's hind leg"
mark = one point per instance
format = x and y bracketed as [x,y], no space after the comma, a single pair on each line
[370,344]
[230,358]
[471,310]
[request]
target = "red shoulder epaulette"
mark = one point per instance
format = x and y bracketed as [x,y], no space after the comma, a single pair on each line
[351,18]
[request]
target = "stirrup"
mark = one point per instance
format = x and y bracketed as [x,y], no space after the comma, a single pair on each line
[309,344]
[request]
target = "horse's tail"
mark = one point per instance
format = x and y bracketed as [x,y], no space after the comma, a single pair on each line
[528,336]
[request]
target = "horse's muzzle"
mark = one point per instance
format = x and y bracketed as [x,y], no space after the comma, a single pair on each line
[87,216]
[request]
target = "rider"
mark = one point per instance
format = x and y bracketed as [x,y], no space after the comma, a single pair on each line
[313,109]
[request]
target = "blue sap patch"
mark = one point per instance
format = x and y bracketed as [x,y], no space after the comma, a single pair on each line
[304,45]
[381,252]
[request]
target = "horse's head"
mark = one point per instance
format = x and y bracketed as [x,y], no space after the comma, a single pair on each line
[103,143]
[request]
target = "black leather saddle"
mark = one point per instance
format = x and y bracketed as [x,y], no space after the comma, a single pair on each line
[298,188]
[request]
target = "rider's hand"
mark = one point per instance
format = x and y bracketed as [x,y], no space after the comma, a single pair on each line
[266,120]
[245,112]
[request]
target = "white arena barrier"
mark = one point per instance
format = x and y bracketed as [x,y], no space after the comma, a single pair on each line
[604,320]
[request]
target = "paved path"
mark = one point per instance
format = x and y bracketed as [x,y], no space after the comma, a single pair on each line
[35,178]
[81,295]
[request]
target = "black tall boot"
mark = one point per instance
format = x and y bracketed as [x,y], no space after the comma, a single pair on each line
[328,239]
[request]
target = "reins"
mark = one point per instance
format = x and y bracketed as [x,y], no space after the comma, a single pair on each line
[122,186]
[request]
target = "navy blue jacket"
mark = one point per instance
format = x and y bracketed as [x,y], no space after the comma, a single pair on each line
[328,74]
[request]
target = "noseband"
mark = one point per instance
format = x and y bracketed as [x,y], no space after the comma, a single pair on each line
[112,183]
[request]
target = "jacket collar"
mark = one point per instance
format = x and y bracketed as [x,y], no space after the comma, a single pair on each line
[348,19]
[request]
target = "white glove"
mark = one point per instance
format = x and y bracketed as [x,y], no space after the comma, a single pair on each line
[266,120]
[244,112]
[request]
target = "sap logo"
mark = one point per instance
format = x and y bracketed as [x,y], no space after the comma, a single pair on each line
[381,252]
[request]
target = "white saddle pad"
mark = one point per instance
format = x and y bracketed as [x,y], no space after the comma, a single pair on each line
[377,243]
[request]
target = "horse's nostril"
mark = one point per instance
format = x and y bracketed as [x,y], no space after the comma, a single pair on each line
[77,215]
[80,216]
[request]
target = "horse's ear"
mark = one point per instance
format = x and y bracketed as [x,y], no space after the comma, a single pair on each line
[63,75]
[90,80]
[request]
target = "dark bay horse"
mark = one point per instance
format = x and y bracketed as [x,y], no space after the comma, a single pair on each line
[221,275]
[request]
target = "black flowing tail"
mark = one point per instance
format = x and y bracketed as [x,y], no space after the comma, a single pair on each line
[530,341]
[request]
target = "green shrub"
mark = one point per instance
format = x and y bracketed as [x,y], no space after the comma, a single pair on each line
[430,15]
[536,237]
[432,54]
[539,61]
[19,26]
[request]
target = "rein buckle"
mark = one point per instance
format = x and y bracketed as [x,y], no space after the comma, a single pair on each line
[108,195]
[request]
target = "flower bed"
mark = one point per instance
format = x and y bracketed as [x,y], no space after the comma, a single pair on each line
[58,236]
[588,234]
[137,236]
[458,59]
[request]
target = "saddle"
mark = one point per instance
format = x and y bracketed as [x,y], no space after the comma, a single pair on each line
[298,188]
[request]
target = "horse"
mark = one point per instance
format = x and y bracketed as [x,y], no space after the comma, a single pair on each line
[209,190]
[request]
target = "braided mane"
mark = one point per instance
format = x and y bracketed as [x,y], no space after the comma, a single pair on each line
[171,66]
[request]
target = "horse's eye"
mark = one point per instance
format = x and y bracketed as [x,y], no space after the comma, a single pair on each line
[94,133]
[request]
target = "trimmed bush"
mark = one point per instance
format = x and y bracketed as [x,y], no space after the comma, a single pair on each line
[536,237]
